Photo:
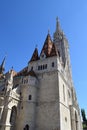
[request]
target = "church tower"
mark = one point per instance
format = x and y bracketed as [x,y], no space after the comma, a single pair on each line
[65,79]
[62,46]
[56,102]
[42,95]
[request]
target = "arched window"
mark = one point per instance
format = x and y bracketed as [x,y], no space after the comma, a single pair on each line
[63,92]
[76,121]
[26,127]
[13,117]
[45,66]
[41,67]
[52,64]
[59,53]
[69,94]
[30,97]
[31,67]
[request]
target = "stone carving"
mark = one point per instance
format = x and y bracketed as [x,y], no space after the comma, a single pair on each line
[9,81]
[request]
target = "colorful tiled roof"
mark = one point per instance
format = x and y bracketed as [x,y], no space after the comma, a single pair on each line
[25,72]
[53,51]
[49,48]
[35,56]
[22,72]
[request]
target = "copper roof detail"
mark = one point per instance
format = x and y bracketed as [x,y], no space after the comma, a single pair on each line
[35,56]
[22,72]
[49,48]
[31,73]
[53,51]
[25,72]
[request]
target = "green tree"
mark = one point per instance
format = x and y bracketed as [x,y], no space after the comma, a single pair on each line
[83,115]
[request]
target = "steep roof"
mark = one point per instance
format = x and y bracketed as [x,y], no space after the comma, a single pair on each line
[35,56]
[53,51]
[31,73]
[49,48]
[24,72]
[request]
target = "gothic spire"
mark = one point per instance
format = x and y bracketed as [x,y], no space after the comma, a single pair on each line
[57,25]
[2,66]
[58,33]
[47,46]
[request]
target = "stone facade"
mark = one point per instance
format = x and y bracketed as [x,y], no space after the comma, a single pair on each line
[42,95]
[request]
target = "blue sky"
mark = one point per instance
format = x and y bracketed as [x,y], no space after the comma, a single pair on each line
[25,24]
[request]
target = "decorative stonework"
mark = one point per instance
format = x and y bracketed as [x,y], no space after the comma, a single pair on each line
[41,96]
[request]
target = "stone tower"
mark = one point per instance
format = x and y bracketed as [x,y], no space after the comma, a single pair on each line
[41,96]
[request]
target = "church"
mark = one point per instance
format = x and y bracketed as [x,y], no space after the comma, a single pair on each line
[41,96]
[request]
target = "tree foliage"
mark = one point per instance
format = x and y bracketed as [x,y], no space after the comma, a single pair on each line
[83,115]
[84,118]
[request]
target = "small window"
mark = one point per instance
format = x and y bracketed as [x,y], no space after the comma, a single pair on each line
[59,53]
[52,64]
[38,67]
[65,119]
[26,127]
[13,116]
[16,85]
[45,66]
[22,80]
[30,97]
[64,92]
[25,81]
[41,67]
[32,68]
[20,93]
[69,94]
[0,110]
[42,55]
